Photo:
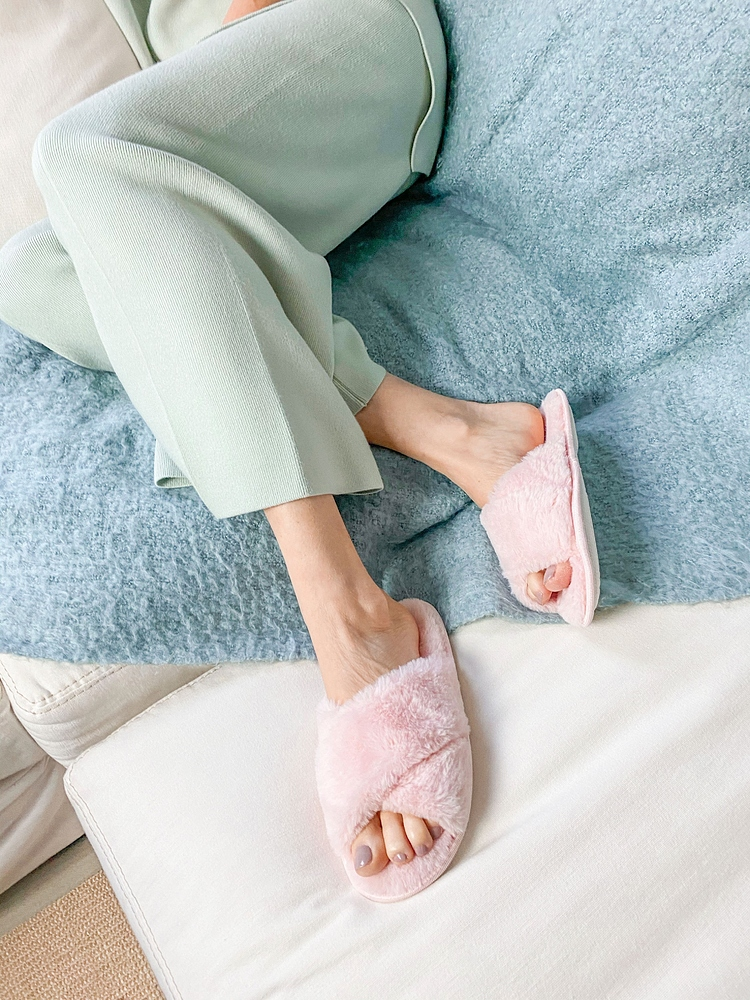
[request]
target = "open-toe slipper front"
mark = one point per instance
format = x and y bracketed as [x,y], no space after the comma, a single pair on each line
[537,514]
[400,744]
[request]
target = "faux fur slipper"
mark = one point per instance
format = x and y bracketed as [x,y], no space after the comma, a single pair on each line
[537,514]
[399,744]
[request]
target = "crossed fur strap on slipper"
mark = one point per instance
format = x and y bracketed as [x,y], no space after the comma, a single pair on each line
[400,744]
[537,514]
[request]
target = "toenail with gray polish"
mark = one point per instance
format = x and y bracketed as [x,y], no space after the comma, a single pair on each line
[435,831]
[549,573]
[421,850]
[400,857]
[362,856]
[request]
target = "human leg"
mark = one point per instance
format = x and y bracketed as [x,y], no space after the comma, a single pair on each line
[229,327]
[471,443]
[358,633]
[96,145]
[42,298]
[243,283]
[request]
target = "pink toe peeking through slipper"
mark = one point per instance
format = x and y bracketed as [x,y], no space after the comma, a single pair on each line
[537,515]
[400,744]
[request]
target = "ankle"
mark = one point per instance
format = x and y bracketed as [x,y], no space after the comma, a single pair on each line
[361,642]
[438,431]
[410,420]
[456,435]
[481,441]
[364,611]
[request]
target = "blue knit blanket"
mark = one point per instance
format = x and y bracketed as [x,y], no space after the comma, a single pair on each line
[587,226]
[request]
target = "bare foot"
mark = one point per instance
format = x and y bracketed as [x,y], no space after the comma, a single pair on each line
[496,436]
[489,439]
[378,639]
[472,444]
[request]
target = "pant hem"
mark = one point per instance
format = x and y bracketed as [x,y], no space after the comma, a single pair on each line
[301,494]
[357,396]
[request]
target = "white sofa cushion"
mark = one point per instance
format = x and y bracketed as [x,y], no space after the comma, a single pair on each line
[606,854]
[53,54]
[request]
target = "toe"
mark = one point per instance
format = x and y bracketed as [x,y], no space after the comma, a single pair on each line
[558,576]
[418,834]
[536,589]
[368,849]
[397,845]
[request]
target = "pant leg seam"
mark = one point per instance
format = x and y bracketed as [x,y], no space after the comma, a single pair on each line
[258,340]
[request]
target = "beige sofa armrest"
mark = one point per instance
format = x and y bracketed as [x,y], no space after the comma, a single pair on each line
[36,819]
[53,54]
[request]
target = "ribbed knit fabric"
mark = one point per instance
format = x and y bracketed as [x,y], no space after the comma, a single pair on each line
[190,206]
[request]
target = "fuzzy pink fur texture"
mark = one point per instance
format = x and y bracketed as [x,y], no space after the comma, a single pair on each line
[400,744]
[538,514]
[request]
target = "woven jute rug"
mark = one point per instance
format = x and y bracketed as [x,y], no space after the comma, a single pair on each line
[79,948]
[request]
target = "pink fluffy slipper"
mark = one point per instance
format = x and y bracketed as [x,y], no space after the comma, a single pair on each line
[399,744]
[538,514]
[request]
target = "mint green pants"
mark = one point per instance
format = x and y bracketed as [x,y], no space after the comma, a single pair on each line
[190,206]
